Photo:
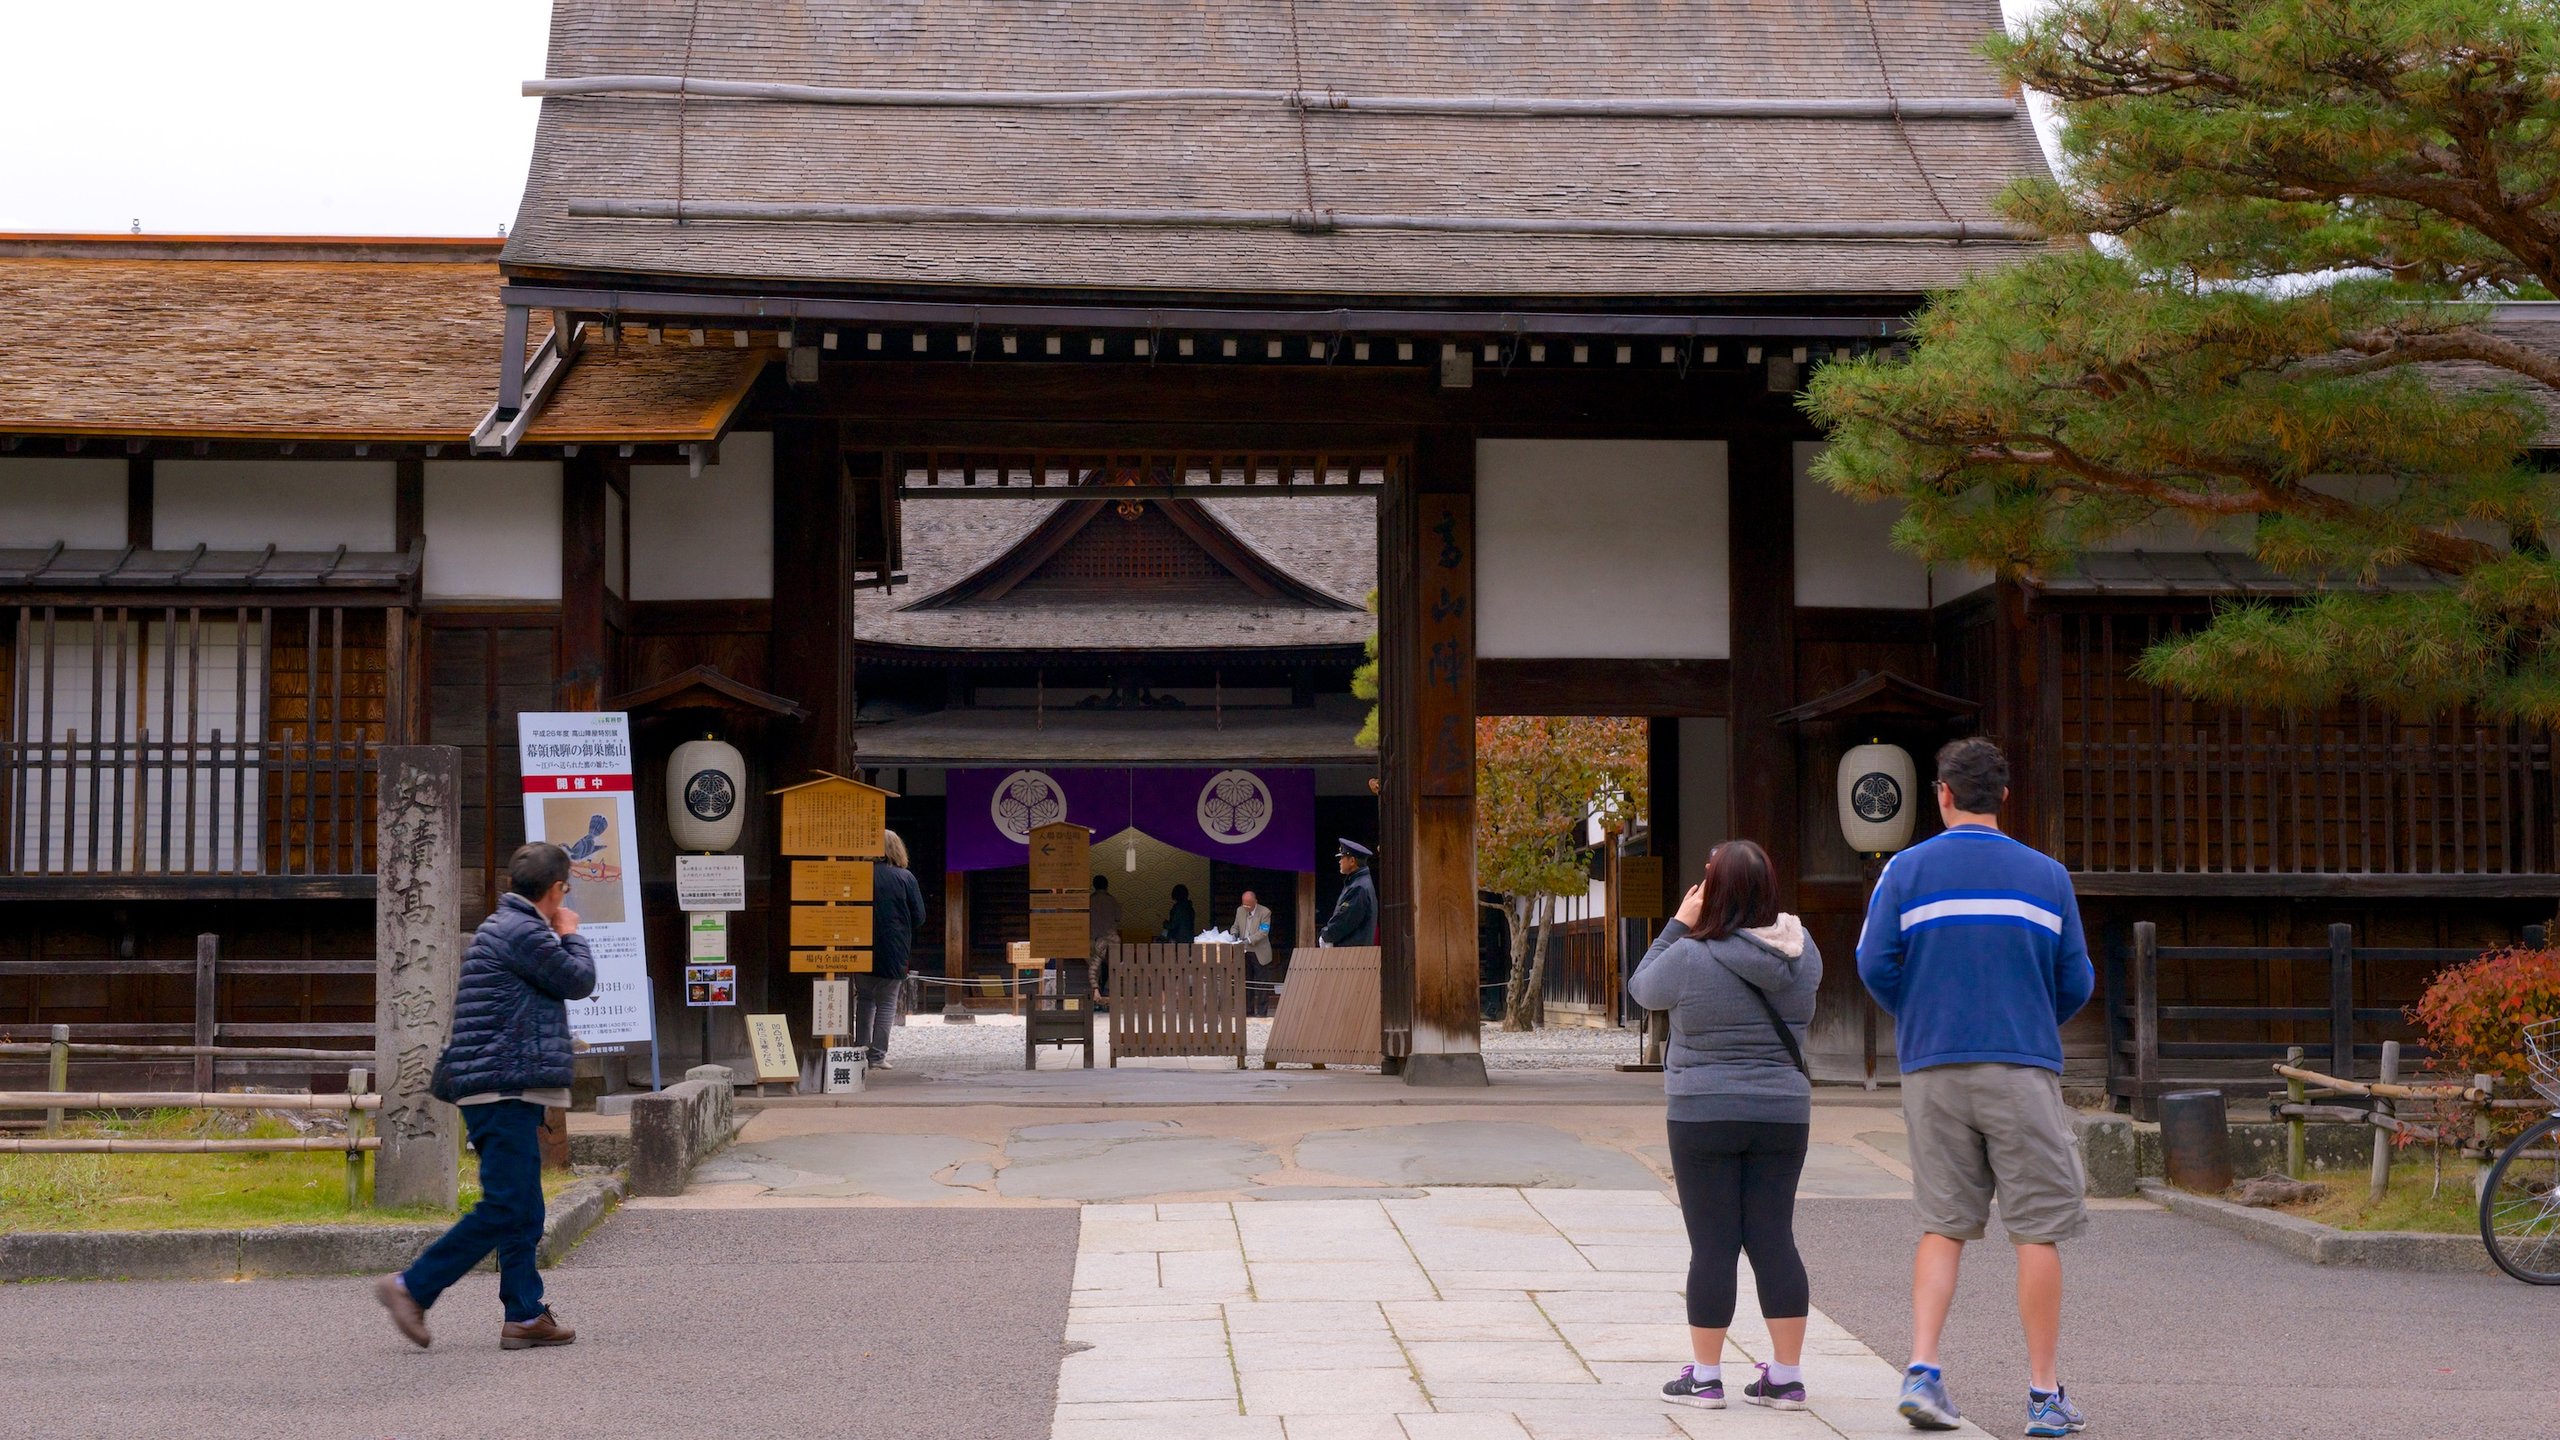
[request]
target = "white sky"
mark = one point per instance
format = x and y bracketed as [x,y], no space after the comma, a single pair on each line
[310,117]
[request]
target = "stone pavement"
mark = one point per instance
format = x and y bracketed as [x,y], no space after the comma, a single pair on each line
[1455,1314]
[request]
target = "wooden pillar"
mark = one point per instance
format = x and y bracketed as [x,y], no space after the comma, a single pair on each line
[1427,861]
[138,492]
[408,501]
[1306,931]
[812,596]
[581,674]
[1761,549]
[955,937]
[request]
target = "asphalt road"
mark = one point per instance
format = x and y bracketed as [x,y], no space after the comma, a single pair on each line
[2174,1329]
[912,1324]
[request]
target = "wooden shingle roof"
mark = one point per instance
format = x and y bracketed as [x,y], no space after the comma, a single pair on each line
[1850,121]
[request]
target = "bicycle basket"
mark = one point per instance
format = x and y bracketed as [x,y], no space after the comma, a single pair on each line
[2542,1058]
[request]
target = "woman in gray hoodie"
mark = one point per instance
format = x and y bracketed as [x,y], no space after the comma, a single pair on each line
[1738,978]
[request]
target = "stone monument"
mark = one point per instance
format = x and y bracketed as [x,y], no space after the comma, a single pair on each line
[418,939]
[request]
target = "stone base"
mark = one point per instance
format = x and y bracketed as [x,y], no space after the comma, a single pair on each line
[1464,1071]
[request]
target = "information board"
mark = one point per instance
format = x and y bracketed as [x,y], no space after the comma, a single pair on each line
[834,816]
[831,1007]
[770,1035]
[1061,934]
[1061,857]
[577,795]
[830,962]
[706,938]
[711,882]
[836,927]
[1640,887]
[836,881]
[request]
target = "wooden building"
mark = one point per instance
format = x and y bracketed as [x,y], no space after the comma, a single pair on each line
[814,328]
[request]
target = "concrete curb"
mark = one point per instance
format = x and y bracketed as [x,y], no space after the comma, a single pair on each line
[2325,1244]
[273,1250]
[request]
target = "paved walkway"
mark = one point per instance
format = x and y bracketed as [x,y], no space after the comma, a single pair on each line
[1472,1314]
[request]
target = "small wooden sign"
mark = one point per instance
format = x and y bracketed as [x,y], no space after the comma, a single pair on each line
[1061,934]
[833,926]
[1061,857]
[770,1035]
[833,816]
[830,962]
[831,880]
[1640,887]
[831,1007]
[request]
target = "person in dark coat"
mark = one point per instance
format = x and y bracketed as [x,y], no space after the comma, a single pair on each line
[1355,911]
[897,917]
[1181,921]
[508,1059]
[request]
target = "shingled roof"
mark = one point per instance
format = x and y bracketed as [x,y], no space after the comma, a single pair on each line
[1352,148]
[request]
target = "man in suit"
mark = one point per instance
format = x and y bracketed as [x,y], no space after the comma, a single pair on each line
[1355,911]
[1252,929]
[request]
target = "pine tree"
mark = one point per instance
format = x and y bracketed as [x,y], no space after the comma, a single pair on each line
[2309,207]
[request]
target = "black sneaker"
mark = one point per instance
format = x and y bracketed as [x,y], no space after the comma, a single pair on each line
[1776,1394]
[1688,1389]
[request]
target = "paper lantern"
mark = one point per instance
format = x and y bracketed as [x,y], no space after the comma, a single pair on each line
[1878,785]
[706,795]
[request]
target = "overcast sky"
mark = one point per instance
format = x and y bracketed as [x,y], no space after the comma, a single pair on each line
[330,117]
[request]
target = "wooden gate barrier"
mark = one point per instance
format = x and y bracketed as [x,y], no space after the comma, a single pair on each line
[1173,1000]
[1328,1009]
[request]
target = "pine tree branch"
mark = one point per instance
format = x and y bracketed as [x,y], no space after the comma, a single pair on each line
[2378,350]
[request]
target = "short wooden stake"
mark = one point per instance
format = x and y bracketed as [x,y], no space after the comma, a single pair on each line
[2382,1135]
[2294,1125]
[2484,1129]
[57,1075]
[357,1082]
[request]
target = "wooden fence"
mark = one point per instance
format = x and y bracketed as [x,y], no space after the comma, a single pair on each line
[1177,1000]
[2245,1040]
[1328,1010]
[199,1045]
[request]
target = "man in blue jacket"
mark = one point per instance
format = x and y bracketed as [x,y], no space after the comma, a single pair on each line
[508,1060]
[1973,945]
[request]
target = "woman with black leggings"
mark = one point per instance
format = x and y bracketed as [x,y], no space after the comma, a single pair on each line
[1738,979]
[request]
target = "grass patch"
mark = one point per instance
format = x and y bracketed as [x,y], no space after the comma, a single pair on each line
[2420,1197]
[198,1192]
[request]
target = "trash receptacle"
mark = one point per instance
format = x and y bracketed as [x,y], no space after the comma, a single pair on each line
[2195,1140]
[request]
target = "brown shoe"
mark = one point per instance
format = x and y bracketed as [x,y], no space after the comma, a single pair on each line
[407,1315]
[546,1330]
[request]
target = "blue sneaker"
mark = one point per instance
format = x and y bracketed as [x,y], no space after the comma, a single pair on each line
[2053,1414]
[1687,1389]
[1924,1399]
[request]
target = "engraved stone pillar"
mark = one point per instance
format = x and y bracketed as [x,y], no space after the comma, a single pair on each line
[417,958]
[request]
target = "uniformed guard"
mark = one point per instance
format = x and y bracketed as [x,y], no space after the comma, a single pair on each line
[1355,913]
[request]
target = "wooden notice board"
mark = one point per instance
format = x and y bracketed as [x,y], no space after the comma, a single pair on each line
[830,962]
[1640,894]
[838,882]
[1061,857]
[832,927]
[1061,934]
[833,816]
[770,1035]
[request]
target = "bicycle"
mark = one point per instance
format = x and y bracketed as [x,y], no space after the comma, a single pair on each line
[2520,1197]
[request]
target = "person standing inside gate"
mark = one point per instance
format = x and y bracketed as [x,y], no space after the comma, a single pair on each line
[1102,915]
[1737,977]
[1355,911]
[1252,929]
[508,1059]
[897,917]
[1973,945]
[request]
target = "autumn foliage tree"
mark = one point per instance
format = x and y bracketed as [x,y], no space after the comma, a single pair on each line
[1539,782]
[2310,206]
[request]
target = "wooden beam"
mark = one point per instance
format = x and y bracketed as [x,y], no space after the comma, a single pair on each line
[581,683]
[1602,687]
[1440,691]
[138,500]
[1761,541]
[408,501]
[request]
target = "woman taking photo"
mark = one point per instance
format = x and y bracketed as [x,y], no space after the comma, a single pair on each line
[1738,979]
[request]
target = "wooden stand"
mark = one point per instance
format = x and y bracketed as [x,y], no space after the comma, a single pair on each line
[842,824]
[1061,932]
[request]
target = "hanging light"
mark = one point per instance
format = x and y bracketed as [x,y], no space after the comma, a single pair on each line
[1129,858]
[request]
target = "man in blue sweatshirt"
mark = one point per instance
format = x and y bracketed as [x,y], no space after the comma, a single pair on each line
[1973,945]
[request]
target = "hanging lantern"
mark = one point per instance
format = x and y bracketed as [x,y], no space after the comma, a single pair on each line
[1878,783]
[706,790]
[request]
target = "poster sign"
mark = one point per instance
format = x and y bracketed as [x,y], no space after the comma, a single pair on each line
[711,882]
[577,795]
[770,1035]
[710,985]
[1640,887]
[831,1007]
[843,1070]
[706,938]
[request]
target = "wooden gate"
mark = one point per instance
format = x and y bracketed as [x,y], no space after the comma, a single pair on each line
[1174,1000]
[1328,1010]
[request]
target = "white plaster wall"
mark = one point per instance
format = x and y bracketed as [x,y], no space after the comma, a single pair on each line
[1845,554]
[493,530]
[78,502]
[1706,755]
[290,504]
[705,538]
[1601,549]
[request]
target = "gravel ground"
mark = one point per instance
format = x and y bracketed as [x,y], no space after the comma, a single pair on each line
[994,1042]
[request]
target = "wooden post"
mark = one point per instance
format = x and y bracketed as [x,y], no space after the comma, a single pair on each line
[1307,909]
[57,1075]
[955,947]
[417,959]
[2382,1137]
[2342,1001]
[357,1082]
[2146,1020]
[1761,574]
[208,954]
[2483,1123]
[582,661]
[2294,1125]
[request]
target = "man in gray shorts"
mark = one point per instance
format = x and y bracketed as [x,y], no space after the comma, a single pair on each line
[1973,944]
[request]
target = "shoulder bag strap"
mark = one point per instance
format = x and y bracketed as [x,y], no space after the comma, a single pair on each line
[1768,1007]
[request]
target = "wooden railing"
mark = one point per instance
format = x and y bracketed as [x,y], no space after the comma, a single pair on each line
[216,806]
[206,1046]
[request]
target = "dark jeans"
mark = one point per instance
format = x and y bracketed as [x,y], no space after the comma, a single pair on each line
[875,1010]
[1737,1182]
[508,1219]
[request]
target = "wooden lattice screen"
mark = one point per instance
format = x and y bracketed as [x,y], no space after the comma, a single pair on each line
[1177,1000]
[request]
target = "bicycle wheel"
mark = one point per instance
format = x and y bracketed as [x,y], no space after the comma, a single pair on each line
[2520,1206]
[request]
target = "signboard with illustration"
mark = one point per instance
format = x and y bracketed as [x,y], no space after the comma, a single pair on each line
[577,795]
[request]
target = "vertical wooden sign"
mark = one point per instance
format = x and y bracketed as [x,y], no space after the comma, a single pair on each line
[1061,891]
[1444,678]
